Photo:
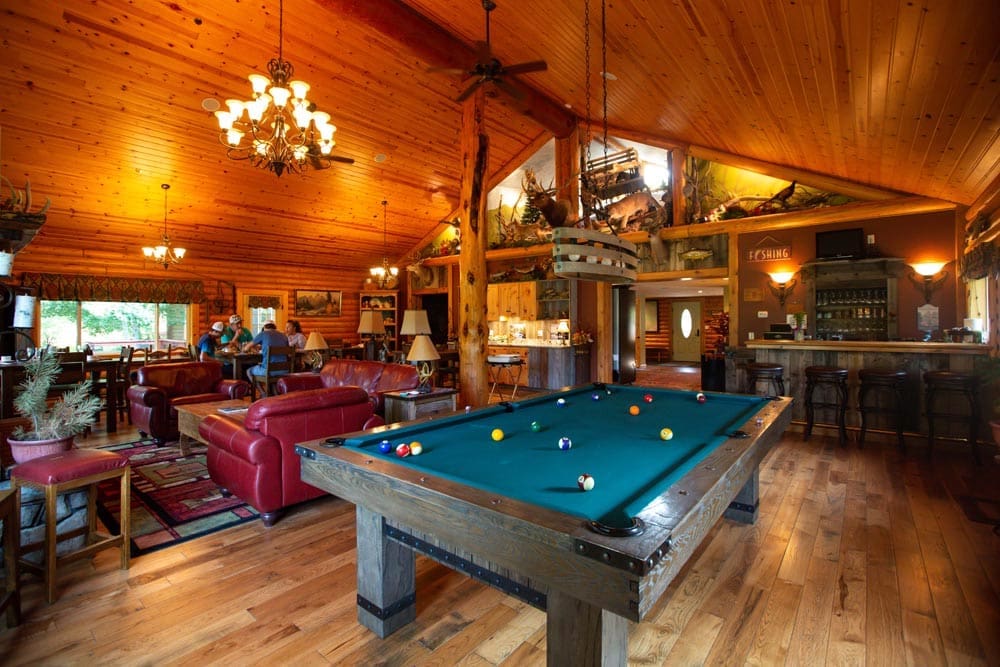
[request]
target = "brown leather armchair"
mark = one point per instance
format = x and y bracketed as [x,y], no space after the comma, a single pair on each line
[159,388]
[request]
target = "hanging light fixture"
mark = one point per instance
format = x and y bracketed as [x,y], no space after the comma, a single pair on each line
[279,128]
[165,253]
[385,275]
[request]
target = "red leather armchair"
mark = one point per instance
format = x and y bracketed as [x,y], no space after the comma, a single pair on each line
[374,377]
[255,460]
[159,388]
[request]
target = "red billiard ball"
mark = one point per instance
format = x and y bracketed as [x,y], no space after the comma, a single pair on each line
[402,450]
[700,397]
[585,482]
[648,398]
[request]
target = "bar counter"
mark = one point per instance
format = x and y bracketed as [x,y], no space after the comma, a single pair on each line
[913,357]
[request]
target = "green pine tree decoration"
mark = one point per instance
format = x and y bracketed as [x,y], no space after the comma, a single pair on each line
[70,415]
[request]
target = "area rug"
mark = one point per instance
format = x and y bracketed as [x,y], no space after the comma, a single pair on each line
[173,497]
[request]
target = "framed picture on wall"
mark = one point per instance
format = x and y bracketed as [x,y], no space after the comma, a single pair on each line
[652,318]
[317,303]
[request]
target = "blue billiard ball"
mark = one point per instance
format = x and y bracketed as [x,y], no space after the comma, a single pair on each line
[595,396]
[385,446]
[565,443]
[561,401]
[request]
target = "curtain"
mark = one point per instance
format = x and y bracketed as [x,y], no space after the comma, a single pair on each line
[61,287]
[264,302]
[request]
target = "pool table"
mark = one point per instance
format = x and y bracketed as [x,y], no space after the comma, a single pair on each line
[506,508]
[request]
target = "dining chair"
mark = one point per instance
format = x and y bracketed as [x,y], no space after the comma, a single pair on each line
[278,361]
[179,352]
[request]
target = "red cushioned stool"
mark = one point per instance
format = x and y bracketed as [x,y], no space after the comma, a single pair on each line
[66,471]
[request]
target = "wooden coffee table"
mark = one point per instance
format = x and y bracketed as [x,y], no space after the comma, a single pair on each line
[190,417]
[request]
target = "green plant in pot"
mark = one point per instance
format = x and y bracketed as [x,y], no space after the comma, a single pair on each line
[52,426]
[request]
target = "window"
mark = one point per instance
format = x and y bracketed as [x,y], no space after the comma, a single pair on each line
[106,326]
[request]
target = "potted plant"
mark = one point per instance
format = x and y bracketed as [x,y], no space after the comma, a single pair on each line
[52,426]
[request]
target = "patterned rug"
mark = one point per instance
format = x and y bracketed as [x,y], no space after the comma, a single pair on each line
[173,498]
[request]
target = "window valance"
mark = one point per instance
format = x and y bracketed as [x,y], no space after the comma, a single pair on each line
[62,287]
[261,301]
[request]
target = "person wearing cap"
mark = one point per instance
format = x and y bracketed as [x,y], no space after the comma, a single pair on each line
[268,336]
[209,341]
[236,335]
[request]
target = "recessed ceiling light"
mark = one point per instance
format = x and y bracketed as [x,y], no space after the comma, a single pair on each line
[210,104]
[381,157]
[609,76]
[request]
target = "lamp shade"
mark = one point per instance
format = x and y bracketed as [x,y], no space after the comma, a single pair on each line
[415,323]
[781,277]
[422,349]
[315,342]
[371,323]
[563,326]
[927,269]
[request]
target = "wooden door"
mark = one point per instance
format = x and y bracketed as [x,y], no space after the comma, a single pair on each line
[686,332]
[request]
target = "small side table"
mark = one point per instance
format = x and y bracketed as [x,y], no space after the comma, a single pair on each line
[403,406]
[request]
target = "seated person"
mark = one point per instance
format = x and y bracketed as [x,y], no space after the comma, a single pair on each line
[236,335]
[207,345]
[268,336]
[296,338]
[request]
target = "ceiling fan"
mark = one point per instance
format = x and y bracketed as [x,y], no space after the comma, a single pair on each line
[319,161]
[488,68]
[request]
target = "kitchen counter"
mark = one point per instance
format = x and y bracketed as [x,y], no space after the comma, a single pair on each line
[870,346]
[532,342]
[548,366]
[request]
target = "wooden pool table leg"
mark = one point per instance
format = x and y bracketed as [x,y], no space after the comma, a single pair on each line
[582,634]
[386,577]
[745,505]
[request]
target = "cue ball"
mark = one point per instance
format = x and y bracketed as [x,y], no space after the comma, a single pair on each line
[595,396]
[497,434]
[565,443]
[700,397]
[385,446]
[402,450]
[416,448]
[633,410]
[535,427]
[585,482]
[666,434]
[561,401]
[648,398]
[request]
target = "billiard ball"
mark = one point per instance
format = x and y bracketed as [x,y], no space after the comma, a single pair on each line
[760,421]
[700,397]
[633,410]
[607,390]
[497,434]
[648,398]
[666,434]
[402,450]
[561,401]
[596,396]
[535,427]
[585,482]
[385,446]
[565,443]
[416,449]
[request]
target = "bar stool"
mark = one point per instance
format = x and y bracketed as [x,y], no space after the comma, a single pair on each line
[773,374]
[10,594]
[882,380]
[66,471]
[834,378]
[500,365]
[941,384]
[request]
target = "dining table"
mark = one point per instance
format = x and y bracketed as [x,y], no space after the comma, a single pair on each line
[98,368]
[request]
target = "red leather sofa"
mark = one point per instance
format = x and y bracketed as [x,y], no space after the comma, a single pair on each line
[255,460]
[159,388]
[374,377]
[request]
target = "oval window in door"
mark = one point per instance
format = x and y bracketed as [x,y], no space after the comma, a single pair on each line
[687,323]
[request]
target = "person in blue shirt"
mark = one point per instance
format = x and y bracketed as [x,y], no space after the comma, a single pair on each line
[268,336]
[209,341]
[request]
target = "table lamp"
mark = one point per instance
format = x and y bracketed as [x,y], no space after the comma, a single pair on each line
[563,330]
[315,346]
[423,352]
[371,325]
[415,323]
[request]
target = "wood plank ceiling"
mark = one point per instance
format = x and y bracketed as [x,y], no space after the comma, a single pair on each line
[102,103]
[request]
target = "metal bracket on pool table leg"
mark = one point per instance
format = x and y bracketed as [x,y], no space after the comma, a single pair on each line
[618,560]
[390,611]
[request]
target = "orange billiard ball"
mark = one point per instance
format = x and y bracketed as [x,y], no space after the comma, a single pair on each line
[633,410]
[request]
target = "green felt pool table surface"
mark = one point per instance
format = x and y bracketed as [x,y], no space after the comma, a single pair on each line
[630,463]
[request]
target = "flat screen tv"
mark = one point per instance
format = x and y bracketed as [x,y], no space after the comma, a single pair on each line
[840,244]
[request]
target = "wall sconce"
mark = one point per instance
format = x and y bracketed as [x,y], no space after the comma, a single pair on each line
[927,282]
[781,285]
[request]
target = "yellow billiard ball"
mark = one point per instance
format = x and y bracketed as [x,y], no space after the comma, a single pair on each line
[416,448]
[633,410]
[497,434]
[666,434]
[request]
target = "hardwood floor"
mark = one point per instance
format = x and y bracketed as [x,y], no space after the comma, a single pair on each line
[858,557]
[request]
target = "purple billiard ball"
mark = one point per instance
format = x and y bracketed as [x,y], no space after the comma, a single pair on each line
[385,446]
[585,482]
[565,443]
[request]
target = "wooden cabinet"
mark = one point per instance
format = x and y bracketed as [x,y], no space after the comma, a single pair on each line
[853,300]
[404,406]
[553,299]
[385,303]
[511,300]
[527,300]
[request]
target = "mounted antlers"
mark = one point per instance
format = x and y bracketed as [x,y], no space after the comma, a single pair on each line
[556,213]
[20,200]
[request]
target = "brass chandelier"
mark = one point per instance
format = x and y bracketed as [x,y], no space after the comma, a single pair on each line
[384,276]
[279,129]
[164,253]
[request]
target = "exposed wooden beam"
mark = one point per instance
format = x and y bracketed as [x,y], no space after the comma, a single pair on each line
[439,48]
[988,202]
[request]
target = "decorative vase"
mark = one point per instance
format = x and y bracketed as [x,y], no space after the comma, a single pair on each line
[26,450]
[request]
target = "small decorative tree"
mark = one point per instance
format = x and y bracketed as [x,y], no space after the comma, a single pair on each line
[70,415]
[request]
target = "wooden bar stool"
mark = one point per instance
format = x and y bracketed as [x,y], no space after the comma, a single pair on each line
[772,374]
[833,378]
[10,595]
[939,386]
[881,381]
[66,471]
